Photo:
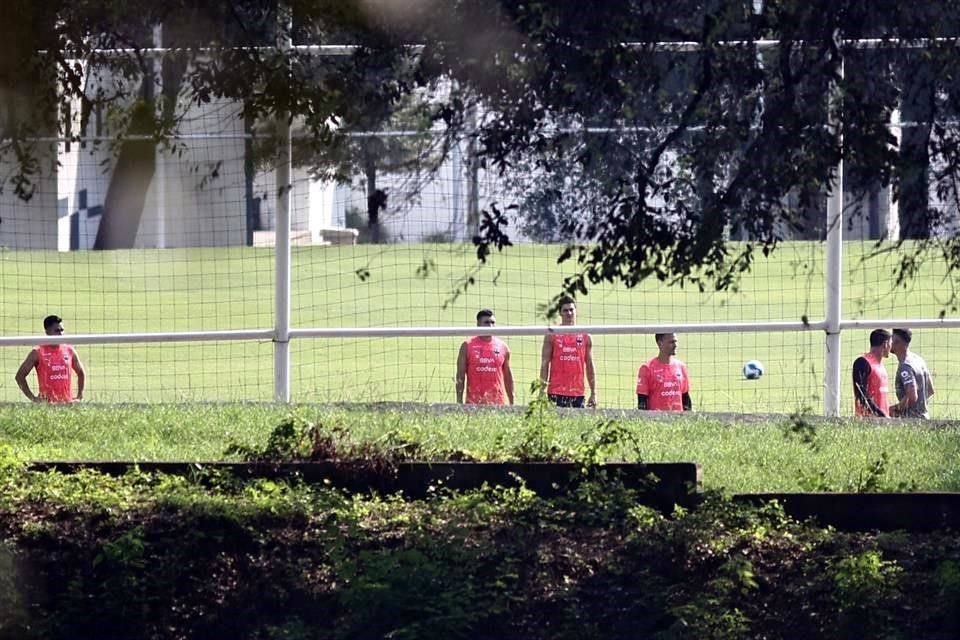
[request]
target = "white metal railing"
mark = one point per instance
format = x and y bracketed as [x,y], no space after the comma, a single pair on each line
[264,335]
[597,329]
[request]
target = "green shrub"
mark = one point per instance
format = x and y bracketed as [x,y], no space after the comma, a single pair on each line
[864,586]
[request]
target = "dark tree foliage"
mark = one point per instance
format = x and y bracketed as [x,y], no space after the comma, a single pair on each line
[672,150]
[719,136]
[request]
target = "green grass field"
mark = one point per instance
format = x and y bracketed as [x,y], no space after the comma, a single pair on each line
[408,285]
[737,456]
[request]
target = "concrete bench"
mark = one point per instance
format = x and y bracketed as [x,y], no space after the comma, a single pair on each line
[340,235]
[320,237]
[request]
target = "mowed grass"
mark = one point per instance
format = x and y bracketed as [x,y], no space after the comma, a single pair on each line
[405,285]
[737,455]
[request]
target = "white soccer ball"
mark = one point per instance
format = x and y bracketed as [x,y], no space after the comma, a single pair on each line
[752,369]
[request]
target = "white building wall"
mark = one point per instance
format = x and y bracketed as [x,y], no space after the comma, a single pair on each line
[33,223]
[311,202]
[196,196]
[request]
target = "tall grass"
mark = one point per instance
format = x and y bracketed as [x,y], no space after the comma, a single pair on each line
[737,455]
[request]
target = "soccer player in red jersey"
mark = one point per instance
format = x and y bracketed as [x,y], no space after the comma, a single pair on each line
[54,364]
[563,360]
[870,384]
[483,367]
[663,383]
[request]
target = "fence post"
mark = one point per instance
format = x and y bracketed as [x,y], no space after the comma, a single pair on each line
[281,320]
[161,164]
[834,279]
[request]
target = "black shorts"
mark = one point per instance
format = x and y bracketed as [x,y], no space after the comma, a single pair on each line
[566,401]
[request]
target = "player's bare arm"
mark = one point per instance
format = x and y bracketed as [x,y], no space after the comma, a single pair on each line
[546,353]
[81,376]
[29,364]
[642,397]
[591,373]
[910,396]
[461,372]
[508,377]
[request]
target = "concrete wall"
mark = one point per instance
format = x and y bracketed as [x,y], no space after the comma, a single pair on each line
[195,197]
[35,223]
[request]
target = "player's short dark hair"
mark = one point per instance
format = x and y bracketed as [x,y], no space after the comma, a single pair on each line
[566,300]
[904,334]
[484,313]
[878,337]
[51,320]
[659,336]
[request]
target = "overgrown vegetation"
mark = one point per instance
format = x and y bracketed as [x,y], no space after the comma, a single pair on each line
[146,556]
[739,455]
[871,478]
